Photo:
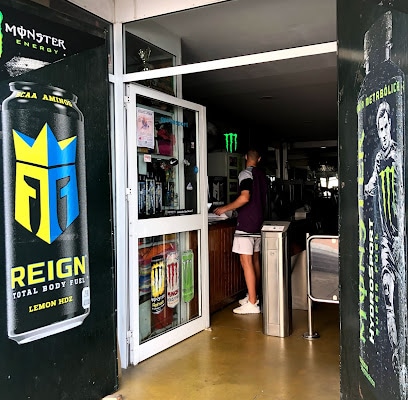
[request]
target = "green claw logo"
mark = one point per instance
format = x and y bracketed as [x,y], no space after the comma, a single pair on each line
[388,192]
[231,141]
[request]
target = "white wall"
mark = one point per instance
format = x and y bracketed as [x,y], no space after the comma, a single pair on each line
[131,10]
[102,8]
[149,8]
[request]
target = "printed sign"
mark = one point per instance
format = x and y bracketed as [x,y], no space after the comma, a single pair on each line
[173,291]
[381,211]
[158,283]
[187,265]
[47,265]
[145,127]
[28,42]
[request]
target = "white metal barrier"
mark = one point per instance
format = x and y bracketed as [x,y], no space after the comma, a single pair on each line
[322,254]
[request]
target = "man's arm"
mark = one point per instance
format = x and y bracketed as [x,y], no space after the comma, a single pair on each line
[370,187]
[240,201]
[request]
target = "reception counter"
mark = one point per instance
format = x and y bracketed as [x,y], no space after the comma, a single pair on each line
[226,276]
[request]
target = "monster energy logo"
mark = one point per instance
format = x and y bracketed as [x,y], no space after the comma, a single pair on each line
[231,142]
[388,190]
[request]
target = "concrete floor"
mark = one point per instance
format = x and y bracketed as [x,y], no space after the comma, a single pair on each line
[235,360]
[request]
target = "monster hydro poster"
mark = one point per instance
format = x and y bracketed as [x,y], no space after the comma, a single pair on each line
[381,216]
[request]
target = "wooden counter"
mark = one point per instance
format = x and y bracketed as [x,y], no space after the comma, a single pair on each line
[226,276]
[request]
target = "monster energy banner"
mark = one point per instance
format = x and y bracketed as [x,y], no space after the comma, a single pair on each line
[28,42]
[381,211]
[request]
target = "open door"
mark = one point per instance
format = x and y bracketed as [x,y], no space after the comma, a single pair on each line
[168,226]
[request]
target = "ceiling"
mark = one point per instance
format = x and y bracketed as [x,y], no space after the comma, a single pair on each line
[293,100]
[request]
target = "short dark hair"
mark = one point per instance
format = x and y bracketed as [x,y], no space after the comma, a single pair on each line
[383,108]
[253,154]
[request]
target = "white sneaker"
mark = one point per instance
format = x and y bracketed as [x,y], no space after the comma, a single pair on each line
[247,308]
[246,299]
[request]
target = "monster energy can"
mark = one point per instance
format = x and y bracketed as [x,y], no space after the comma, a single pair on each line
[46,240]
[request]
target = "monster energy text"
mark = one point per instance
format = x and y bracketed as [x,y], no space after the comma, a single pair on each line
[31,34]
[373,287]
[362,239]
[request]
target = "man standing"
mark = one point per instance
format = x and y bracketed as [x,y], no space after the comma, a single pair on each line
[250,205]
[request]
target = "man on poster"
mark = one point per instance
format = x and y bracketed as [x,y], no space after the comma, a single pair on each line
[384,182]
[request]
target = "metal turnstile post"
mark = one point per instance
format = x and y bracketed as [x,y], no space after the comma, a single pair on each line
[276,279]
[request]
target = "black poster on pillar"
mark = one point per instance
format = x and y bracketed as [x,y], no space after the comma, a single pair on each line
[58,325]
[373,270]
[382,267]
[29,42]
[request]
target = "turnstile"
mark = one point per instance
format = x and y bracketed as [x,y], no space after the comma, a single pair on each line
[276,279]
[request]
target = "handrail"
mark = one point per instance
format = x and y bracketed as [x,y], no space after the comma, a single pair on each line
[331,251]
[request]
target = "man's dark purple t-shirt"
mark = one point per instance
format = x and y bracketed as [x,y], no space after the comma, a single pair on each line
[251,215]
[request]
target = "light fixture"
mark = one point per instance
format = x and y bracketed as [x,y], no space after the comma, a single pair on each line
[266,98]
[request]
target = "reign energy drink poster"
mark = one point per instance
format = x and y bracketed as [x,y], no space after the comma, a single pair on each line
[57,281]
[381,214]
[47,260]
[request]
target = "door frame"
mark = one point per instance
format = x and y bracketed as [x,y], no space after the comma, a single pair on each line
[165,225]
[118,80]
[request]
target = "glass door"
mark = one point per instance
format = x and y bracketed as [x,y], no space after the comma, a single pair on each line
[167,209]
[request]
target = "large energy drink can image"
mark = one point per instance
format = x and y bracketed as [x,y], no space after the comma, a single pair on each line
[381,217]
[46,238]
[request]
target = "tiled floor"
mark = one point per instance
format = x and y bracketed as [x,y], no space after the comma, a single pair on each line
[235,360]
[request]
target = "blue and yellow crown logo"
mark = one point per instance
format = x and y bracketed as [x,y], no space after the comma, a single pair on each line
[46,177]
[44,151]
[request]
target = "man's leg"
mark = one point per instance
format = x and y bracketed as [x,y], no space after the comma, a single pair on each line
[257,268]
[250,276]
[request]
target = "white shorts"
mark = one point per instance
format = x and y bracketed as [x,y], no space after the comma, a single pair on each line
[245,243]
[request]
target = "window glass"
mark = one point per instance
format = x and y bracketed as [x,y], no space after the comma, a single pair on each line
[167,160]
[143,56]
[168,282]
